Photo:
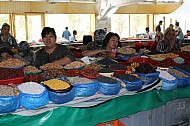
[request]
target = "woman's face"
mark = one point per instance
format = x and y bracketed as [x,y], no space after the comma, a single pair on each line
[49,40]
[170,36]
[5,30]
[113,42]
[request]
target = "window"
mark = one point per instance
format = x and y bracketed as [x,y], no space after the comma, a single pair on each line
[79,22]
[120,25]
[4,18]
[20,28]
[137,24]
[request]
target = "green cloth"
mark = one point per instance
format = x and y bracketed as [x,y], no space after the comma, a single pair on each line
[110,110]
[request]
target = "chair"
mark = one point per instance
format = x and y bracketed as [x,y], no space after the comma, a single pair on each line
[87,39]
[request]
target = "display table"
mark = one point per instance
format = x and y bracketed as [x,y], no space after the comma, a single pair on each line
[111,110]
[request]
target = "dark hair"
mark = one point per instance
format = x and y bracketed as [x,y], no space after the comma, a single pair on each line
[147,28]
[66,27]
[188,31]
[108,36]
[177,23]
[47,30]
[5,24]
[160,21]
[74,31]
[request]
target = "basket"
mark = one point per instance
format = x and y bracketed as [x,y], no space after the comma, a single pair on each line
[109,89]
[169,84]
[61,97]
[149,78]
[133,86]
[31,101]
[9,104]
[84,90]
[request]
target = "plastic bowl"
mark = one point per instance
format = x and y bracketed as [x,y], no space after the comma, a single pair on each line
[169,84]
[70,78]
[84,90]
[27,73]
[60,98]
[13,80]
[107,74]
[31,101]
[89,77]
[143,60]
[78,68]
[109,89]
[133,85]
[9,104]
[148,78]
[158,59]
[116,71]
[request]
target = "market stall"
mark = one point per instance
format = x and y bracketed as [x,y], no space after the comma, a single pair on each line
[92,90]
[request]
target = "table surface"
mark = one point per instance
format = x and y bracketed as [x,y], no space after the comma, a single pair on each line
[113,109]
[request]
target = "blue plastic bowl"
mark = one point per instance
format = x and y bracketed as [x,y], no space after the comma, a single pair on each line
[183,82]
[133,86]
[148,78]
[169,84]
[9,104]
[84,90]
[109,89]
[31,101]
[60,98]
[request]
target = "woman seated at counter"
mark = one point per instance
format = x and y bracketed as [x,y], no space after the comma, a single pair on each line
[108,48]
[169,42]
[7,40]
[52,52]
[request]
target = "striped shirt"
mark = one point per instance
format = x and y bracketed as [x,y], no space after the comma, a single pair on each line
[164,46]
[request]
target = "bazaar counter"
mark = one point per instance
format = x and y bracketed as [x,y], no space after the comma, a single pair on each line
[111,110]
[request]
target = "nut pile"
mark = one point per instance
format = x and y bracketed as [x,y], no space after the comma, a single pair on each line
[74,65]
[11,63]
[31,69]
[49,66]
[53,73]
[6,90]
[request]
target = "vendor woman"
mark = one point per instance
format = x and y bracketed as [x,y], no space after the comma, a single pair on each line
[169,42]
[52,52]
[7,40]
[108,48]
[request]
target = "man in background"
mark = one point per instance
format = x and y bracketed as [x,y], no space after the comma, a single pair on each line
[147,34]
[159,34]
[158,27]
[66,34]
[73,37]
[179,33]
